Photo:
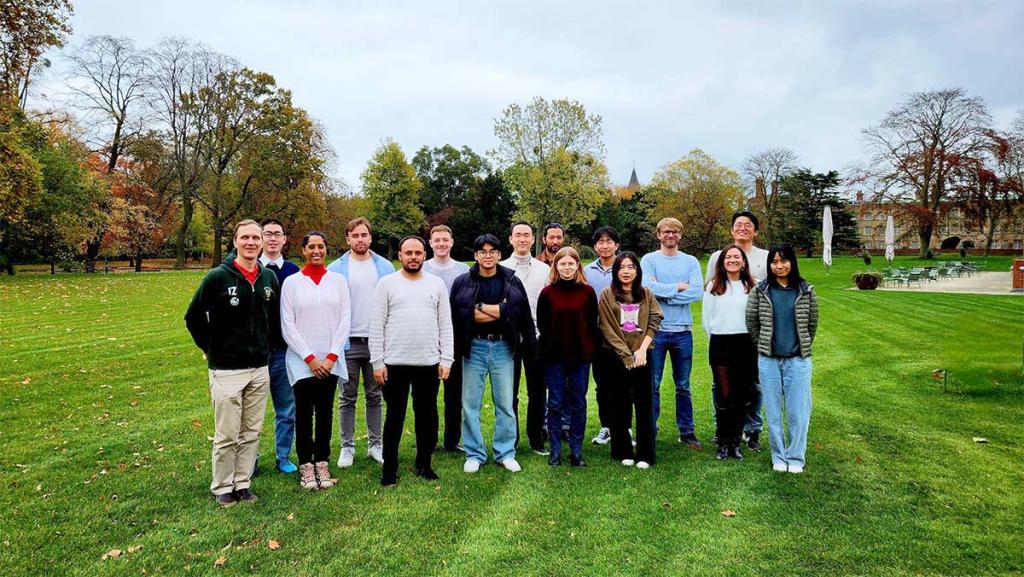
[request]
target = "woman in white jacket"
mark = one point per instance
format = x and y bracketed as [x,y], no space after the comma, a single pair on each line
[315,319]
[731,352]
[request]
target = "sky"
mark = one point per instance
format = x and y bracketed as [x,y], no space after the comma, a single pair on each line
[730,78]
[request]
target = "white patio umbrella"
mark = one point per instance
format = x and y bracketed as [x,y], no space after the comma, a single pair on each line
[890,239]
[826,238]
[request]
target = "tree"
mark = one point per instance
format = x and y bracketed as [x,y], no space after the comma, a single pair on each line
[914,150]
[988,185]
[392,189]
[552,157]
[702,194]
[803,196]
[763,172]
[27,29]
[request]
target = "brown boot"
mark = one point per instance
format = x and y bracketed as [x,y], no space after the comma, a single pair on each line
[323,475]
[307,477]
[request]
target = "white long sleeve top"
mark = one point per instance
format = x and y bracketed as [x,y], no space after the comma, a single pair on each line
[411,322]
[725,314]
[534,276]
[315,320]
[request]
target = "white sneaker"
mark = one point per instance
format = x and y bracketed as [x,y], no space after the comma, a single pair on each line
[376,453]
[780,467]
[512,465]
[643,465]
[796,469]
[628,462]
[631,439]
[471,466]
[348,455]
[603,437]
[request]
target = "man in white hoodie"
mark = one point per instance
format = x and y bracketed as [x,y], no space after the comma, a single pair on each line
[534,276]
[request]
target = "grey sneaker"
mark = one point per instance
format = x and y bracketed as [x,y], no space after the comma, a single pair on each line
[323,475]
[604,436]
[307,477]
[347,457]
[376,453]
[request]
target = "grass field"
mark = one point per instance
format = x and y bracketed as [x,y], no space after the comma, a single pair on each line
[105,418]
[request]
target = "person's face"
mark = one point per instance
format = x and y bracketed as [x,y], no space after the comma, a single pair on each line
[315,250]
[273,238]
[411,254]
[487,257]
[359,239]
[553,240]
[249,241]
[567,267]
[781,266]
[627,271]
[733,260]
[522,238]
[606,247]
[743,230]
[441,244]
[669,237]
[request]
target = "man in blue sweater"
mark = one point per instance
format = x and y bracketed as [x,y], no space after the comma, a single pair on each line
[674,278]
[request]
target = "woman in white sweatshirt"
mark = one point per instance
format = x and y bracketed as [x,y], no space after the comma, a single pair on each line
[316,313]
[732,354]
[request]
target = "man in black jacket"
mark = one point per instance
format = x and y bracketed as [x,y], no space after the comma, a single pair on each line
[233,318]
[492,320]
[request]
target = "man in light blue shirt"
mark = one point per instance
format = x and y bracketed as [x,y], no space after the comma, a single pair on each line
[599,276]
[674,278]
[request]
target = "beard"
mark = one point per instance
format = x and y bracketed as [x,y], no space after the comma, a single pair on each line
[411,267]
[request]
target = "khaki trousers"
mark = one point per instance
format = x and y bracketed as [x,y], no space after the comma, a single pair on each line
[239,404]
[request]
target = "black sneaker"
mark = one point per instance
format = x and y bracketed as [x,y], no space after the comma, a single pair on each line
[754,441]
[245,495]
[540,450]
[722,453]
[388,480]
[735,453]
[691,441]
[555,460]
[577,461]
[226,500]
[427,474]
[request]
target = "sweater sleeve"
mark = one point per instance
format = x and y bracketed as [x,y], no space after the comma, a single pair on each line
[654,316]
[289,326]
[610,326]
[707,311]
[197,317]
[340,336]
[378,316]
[665,290]
[696,288]
[444,325]
[753,314]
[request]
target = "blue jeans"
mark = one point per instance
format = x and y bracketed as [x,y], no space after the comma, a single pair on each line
[786,385]
[679,346]
[488,359]
[561,379]
[284,406]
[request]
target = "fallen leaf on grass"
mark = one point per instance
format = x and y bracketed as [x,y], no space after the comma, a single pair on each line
[291,516]
[979,439]
[134,402]
[27,380]
[134,548]
[728,513]
[197,424]
[112,554]
[220,561]
[859,460]
[226,547]
[273,545]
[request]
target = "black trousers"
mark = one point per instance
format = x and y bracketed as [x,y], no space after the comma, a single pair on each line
[603,385]
[631,389]
[733,360]
[536,403]
[424,384]
[453,406]
[314,401]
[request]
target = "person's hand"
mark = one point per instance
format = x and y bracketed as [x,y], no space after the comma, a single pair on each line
[639,358]
[381,376]
[443,372]
[317,366]
[328,365]
[681,286]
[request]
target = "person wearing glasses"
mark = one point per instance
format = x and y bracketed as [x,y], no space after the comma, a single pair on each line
[493,324]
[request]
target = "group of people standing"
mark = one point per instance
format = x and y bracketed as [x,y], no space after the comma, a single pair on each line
[267,326]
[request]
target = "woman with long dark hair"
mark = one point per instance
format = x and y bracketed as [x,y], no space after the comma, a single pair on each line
[782,318]
[315,316]
[567,321]
[629,318]
[731,353]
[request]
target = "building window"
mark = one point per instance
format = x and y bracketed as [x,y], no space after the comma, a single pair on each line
[867,231]
[1018,244]
[867,246]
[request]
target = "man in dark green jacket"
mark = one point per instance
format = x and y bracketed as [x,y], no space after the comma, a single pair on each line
[232,318]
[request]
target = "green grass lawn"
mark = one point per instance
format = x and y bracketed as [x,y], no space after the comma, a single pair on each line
[105,419]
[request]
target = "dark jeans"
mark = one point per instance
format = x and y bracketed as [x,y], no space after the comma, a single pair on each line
[424,384]
[603,384]
[314,400]
[631,389]
[733,360]
[567,393]
[453,406]
[535,403]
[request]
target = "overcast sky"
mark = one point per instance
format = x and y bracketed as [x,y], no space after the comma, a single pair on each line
[731,78]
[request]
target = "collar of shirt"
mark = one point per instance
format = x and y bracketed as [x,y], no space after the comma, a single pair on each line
[596,265]
[279,261]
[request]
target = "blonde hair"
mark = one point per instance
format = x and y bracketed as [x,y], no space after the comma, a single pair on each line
[669,222]
[564,252]
[439,228]
[242,223]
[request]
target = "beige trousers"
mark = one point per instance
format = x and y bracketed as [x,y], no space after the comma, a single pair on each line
[239,404]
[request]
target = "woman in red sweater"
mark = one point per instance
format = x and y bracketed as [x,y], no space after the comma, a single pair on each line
[567,321]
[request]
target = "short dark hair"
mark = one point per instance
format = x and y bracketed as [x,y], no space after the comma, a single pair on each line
[267,221]
[550,226]
[517,223]
[748,214]
[422,242]
[603,232]
[305,239]
[487,238]
[784,250]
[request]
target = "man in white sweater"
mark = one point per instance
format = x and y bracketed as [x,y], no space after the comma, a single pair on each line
[411,347]
[534,276]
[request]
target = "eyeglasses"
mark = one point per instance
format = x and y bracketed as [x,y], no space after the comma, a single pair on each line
[670,232]
[273,235]
[488,252]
